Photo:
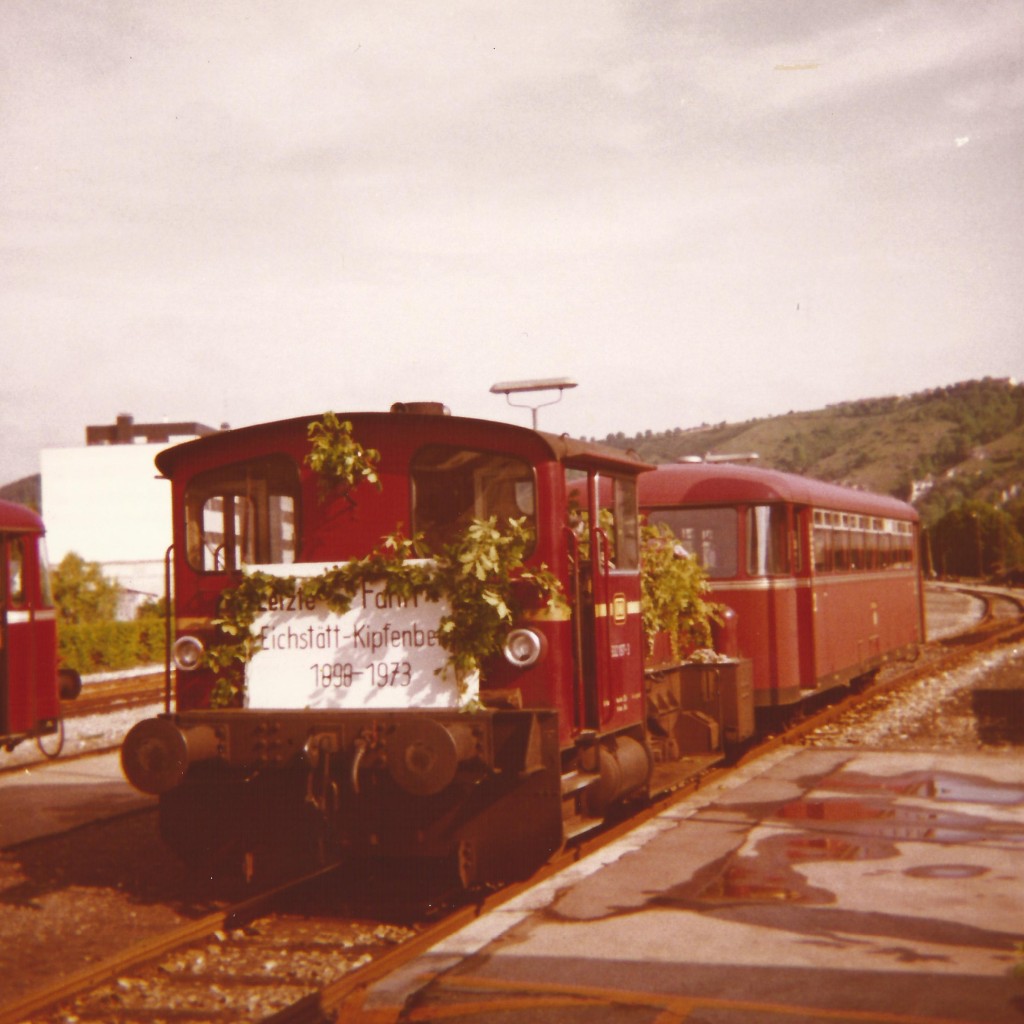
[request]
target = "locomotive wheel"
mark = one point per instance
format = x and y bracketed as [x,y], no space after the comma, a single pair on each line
[54,742]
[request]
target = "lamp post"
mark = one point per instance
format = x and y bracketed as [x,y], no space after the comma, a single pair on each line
[518,387]
[977,537]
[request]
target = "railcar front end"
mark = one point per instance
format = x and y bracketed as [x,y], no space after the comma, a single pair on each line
[31,684]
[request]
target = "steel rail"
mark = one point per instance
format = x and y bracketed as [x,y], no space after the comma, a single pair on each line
[97,974]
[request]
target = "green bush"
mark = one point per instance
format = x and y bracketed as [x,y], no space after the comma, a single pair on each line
[109,646]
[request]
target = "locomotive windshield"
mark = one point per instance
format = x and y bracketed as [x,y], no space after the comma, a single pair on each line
[242,514]
[453,486]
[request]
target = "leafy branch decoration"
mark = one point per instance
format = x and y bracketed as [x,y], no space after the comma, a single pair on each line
[673,592]
[337,457]
[482,574]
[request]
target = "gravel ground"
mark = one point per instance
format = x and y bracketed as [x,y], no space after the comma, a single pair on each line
[934,713]
[81,736]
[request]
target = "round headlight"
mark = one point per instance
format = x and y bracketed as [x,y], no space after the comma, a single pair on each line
[523,647]
[188,653]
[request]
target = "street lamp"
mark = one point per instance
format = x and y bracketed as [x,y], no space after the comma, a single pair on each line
[977,538]
[518,387]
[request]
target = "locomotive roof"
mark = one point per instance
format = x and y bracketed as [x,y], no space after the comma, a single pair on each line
[19,518]
[726,483]
[263,436]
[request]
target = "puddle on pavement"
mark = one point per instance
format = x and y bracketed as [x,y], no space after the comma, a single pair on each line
[892,821]
[866,827]
[953,871]
[768,874]
[949,787]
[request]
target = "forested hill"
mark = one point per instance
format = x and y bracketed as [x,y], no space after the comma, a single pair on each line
[938,448]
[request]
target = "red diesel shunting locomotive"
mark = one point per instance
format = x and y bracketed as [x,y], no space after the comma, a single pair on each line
[31,685]
[354,735]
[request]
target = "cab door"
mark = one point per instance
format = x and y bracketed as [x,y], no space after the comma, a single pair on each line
[616,628]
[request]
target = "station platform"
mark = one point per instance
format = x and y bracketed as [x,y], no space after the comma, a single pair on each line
[812,885]
[53,796]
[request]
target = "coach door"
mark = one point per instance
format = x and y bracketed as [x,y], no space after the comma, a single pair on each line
[15,637]
[28,679]
[613,631]
[4,641]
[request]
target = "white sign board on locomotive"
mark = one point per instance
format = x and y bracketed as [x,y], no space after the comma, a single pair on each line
[384,652]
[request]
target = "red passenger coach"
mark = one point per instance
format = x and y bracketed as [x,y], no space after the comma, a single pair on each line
[824,581]
[30,684]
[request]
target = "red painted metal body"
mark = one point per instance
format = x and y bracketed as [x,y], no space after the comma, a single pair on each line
[29,692]
[824,580]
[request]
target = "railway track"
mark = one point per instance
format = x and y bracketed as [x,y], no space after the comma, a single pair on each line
[281,959]
[115,695]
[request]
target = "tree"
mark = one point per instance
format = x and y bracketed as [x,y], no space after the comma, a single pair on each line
[976,539]
[82,593]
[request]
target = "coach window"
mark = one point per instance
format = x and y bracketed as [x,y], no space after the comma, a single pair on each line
[709,534]
[768,546]
[15,572]
[242,514]
[841,550]
[453,486]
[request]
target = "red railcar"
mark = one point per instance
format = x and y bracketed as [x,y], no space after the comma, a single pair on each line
[822,582]
[31,685]
[348,736]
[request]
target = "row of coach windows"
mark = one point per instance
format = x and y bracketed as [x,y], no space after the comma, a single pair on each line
[845,542]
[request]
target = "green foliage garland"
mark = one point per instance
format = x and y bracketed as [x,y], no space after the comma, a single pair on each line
[674,586]
[481,574]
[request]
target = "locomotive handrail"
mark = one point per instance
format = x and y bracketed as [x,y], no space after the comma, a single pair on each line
[603,565]
[168,627]
[603,549]
[577,625]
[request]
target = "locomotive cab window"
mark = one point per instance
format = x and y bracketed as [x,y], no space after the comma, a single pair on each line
[619,520]
[453,486]
[244,513]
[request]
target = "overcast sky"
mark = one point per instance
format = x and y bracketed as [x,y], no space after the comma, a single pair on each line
[701,211]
